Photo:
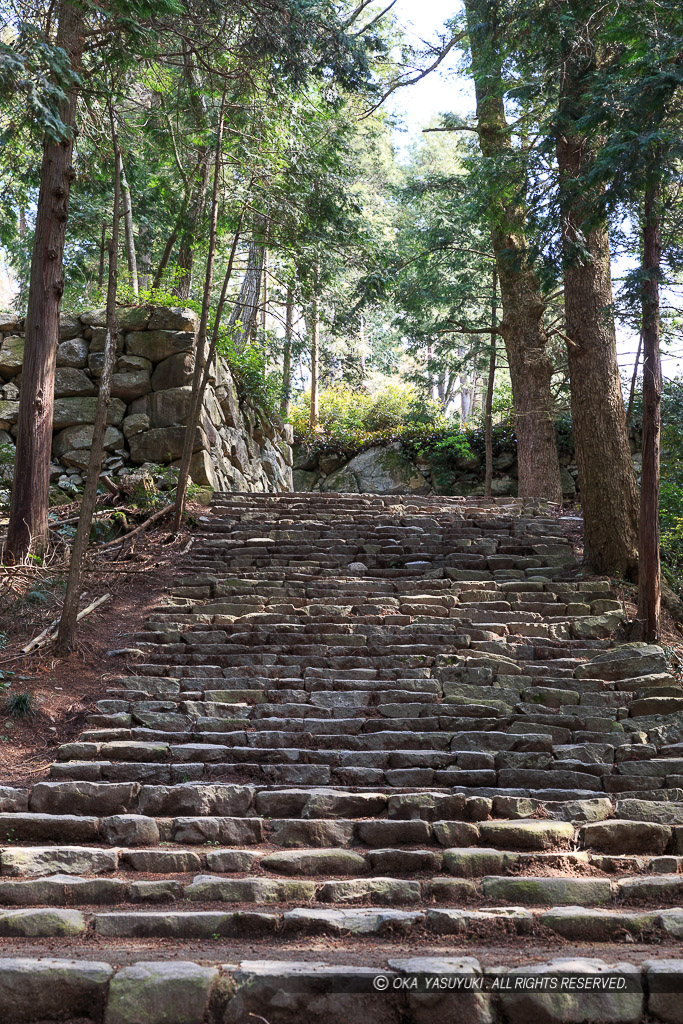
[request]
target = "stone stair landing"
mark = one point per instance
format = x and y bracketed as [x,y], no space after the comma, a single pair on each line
[370,736]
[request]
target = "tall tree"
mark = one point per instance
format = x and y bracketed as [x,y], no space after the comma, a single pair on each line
[522,328]
[287,352]
[28,528]
[649,581]
[199,352]
[561,50]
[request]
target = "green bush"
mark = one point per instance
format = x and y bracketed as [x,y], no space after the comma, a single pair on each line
[344,413]
[671,493]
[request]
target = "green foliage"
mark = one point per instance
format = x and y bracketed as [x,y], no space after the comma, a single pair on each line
[351,421]
[343,409]
[441,448]
[671,494]
[248,364]
[19,705]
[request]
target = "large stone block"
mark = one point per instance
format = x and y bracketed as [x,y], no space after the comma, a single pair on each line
[173,318]
[229,405]
[158,345]
[94,318]
[664,1001]
[98,340]
[70,412]
[342,481]
[130,385]
[65,860]
[303,480]
[11,356]
[149,993]
[168,408]
[80,438]
[162,445]
[70,382]
[174,372]
[625,662]
[135,318]
[84,797]
[135,424]
[386,471]
[9,413]
[34,989]
[73,353]
[189,798]
[565,1005]
[443,1003]
[202,470]
[69,326]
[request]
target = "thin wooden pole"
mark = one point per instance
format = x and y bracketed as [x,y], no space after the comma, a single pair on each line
[66,637]
[649,568]
[190,430]
[488,416]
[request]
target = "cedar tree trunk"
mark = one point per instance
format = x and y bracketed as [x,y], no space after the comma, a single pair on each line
[28,528]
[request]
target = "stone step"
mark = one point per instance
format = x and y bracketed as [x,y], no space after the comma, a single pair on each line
[165,813]
[571,923]
[435,747]
[339,992]
[650,891]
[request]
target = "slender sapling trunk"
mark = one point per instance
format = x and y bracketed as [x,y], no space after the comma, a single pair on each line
[649,568]
[488,415]
[287,355]
[66,635]
[195,407]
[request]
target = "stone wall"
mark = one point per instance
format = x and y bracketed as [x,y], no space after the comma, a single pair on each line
[238,446]
[392,470]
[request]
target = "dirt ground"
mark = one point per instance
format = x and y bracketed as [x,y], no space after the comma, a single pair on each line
[61,690]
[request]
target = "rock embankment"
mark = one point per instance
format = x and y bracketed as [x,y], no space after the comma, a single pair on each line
[238,446]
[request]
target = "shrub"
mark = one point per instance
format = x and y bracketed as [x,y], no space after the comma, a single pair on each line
[343,411]
[19,705]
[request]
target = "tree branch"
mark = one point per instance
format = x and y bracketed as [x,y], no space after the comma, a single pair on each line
[400,84]
[377,18]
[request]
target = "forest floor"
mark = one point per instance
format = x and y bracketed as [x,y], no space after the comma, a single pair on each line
[62,690]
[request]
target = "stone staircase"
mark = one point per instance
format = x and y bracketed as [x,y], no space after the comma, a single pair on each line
[368,737]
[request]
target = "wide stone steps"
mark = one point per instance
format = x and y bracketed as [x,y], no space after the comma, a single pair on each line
[572,923]
[399,989]
[358,730]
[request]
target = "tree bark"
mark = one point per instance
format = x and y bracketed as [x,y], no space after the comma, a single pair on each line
[193,218]
[195,408]
[28,526]
[287,355]
[522,327]
[129,234]
[607,481]
[315,352]
[185,260]
[66,635]
[100,269]
[649,575]
[634,379]
[264,295]
[243,317]
[488,413]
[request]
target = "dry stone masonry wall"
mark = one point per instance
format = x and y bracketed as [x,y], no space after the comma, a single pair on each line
[239,447]
[394,470]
